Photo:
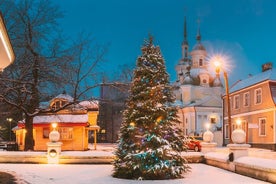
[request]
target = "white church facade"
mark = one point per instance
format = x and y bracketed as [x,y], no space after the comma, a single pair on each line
[198,90]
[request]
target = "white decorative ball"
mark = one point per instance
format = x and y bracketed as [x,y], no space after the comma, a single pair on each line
[54,136]
[238,136]
[208,136]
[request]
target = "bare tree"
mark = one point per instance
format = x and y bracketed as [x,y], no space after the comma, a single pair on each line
[84,73]
[44,62]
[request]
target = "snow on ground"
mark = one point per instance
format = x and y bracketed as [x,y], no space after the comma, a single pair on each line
[101,174]
[98,174]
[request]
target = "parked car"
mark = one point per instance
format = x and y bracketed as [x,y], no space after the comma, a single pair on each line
[9,146]
[193,143]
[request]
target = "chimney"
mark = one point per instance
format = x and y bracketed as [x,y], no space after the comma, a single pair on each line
[266,66]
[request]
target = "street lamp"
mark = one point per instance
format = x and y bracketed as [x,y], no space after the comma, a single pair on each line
[217,64]
[10,120]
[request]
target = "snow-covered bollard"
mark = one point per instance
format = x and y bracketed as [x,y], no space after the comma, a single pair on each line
[53,147]
[207,145]
[239,148]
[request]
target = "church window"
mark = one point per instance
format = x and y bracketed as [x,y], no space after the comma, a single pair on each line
[186,52]
[213,120]
[200,62]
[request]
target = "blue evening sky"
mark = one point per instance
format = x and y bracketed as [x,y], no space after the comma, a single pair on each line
[242,29]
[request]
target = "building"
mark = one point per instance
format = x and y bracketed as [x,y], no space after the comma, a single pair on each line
[111,107]
[74,124]
[6,50]
[197,92]
[253,102]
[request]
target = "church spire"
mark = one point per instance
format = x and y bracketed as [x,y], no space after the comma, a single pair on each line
[185,45]
[185,30]
[198,36]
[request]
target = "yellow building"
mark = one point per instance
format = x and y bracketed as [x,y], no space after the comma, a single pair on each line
[253,102]
[73,124]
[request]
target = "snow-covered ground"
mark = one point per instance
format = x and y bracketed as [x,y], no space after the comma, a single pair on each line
[75,174]
[101,174]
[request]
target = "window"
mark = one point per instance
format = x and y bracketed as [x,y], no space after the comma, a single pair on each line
[46,132]
[226,135]
[58,104]
[258,96]
[186,52]
[66,133]
[246,99]
[200,62]
[213,120]
[236,102]
[262,127]
[231,102]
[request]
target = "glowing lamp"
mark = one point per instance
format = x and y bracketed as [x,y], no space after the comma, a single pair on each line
[54,125]
[52,153]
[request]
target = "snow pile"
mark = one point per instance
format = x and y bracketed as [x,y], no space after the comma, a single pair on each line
[217,156]
[257,162]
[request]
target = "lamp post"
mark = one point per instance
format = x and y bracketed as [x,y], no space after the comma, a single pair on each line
[9,120]
[218,68]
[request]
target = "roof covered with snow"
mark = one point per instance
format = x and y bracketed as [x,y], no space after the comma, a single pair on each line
[61,118]
[263,76]
[92,104]
[65,97]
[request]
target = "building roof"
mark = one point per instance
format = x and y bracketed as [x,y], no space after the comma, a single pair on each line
[207,101]
[263,76]
[92,104]
[65,97]
[60,118]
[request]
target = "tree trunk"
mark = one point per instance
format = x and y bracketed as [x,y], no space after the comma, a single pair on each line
[29,141]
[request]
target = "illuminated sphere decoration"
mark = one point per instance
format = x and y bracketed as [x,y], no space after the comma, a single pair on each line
[54,136]
[238,136]
[208,136]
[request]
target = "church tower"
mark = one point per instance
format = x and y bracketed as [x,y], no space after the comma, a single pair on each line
[185,61]
[197,91]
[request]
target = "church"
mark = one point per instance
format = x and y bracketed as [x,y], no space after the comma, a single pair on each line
[198,90]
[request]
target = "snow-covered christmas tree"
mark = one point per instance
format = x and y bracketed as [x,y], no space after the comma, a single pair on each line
[150,144]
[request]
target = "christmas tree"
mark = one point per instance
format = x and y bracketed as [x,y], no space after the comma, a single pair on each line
[150,143]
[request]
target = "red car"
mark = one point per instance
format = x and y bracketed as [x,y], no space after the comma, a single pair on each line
[193,143]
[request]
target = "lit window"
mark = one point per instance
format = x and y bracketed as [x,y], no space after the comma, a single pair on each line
[213,120]
[236,102]
[66,133]
[258,96]
[262,127]
[246,99]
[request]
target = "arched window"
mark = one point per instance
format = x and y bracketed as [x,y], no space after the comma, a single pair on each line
[200,62]
[58,104]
